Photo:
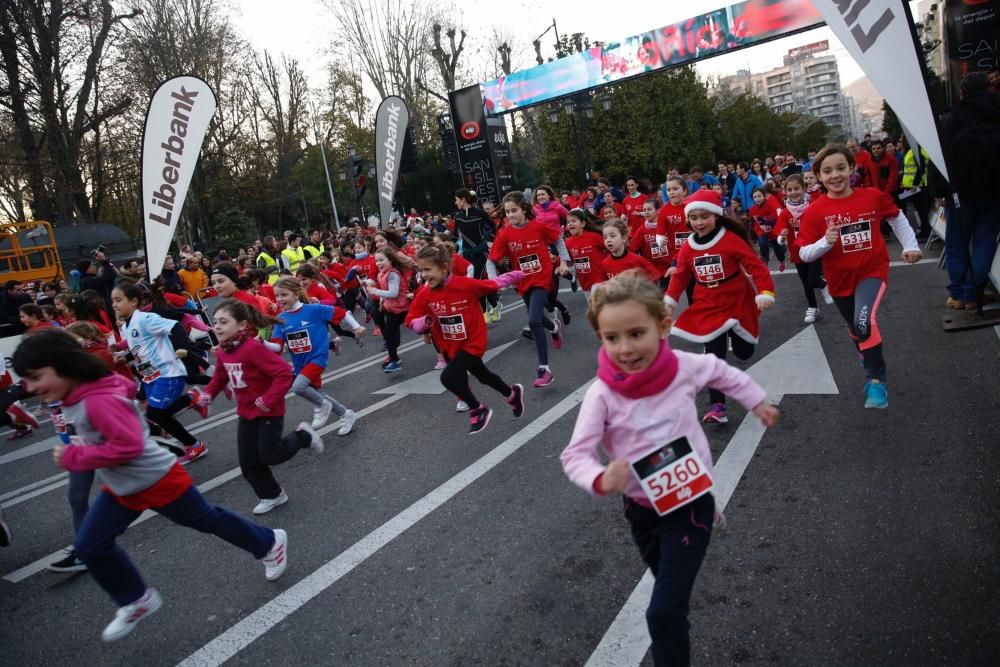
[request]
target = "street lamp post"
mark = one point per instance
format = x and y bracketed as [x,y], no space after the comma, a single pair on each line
[354,168]
[582,102]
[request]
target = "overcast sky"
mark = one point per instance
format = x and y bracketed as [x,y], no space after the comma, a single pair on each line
[304,28]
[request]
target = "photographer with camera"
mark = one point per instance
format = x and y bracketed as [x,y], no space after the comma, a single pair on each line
[98,273]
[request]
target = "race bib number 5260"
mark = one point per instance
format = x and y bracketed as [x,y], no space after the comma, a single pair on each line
[672,475]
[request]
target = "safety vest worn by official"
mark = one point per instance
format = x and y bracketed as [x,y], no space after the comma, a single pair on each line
[910,169]
[268,264]
[314,251]
[294,257]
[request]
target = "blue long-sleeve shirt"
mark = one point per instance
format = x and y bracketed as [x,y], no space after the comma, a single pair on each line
[743,190]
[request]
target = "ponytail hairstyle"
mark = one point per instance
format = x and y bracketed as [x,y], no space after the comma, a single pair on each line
[587,219]
[438,255]
[310,271]
[242,312]
[736,227]
[292,285]
[132,292]
[59,350]
[518,199]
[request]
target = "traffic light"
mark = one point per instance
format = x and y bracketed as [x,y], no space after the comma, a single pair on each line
[357,164]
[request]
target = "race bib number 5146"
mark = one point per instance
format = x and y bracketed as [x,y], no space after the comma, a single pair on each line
[672,475]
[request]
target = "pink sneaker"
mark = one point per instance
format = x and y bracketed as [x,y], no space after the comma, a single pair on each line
[193,453]
[20,415]
[441,363]
[202,410]
[544,379]
[557,341]
[716,414]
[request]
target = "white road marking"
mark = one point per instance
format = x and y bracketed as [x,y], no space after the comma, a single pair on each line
[799,366]
[30,450]
[240,635]
[421,385]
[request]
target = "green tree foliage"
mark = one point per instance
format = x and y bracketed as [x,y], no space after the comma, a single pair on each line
[235,228]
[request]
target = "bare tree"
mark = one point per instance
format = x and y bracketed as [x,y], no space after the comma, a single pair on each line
[43,44]
[447,61]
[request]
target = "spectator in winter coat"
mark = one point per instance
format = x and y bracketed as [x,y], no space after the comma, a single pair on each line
[746,183]
[971,138]
[885,172]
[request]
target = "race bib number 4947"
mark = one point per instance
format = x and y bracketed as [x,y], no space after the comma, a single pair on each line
[299,342]
[856,237]
[672,475]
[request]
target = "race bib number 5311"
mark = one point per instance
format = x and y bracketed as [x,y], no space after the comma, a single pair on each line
[672,475]
[856,236]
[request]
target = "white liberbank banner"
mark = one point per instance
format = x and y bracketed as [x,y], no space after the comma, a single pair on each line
[391,120]
[879,36]
[176,122]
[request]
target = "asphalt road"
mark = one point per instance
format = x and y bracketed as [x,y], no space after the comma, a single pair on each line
[854,536]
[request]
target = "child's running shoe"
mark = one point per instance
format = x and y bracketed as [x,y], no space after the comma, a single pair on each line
[267,504]
[6,537]
[315,442]
[479,419]
[516,399]
[716,414]
[19,433]
[461,406]
[825,293]
[321,414]
[557,341]
[127,617]
[71,563]
[347,422]
[544,379]
[193,453]
[564,312]
[336,344]
[392,367]
[441,363]
[377,331]
[876,395]
[195,395]
[526,332]
[781,267]
[20,415]
[811,314]
[496,312]
[276,559]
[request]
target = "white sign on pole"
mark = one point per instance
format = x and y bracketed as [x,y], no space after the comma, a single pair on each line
[878,35]
[176,122]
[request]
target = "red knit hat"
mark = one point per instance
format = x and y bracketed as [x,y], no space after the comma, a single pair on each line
[704,200]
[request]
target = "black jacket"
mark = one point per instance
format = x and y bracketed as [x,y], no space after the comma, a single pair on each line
[970,133]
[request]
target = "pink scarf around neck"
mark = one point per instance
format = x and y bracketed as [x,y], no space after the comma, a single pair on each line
[647,382]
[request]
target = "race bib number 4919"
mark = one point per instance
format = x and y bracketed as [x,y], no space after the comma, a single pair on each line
[452,327]
[856,237]
[672,475]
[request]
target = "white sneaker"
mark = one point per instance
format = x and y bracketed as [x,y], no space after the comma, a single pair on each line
[347,422]
[825,291]
[268,504]
[315,442]
[276,559]
[321,414]
[811,314]
[127,617]
[461,406]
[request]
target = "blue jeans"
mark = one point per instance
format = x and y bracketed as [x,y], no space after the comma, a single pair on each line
[673,546]
[765,244]
[107,519]
[79,496]
[534,299]
[976,224]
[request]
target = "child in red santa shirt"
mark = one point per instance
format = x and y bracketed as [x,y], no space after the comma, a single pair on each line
[525,243]
[719,255]
[764,217]
[586,246]
[445,310]
[842,228]
[643,242]
[620,259]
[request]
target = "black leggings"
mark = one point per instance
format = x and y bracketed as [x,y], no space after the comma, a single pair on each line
[860,311]
[261,445]
[164,418]
[535,299]
[455,377]
[765,244]
[391,322]
[718,347]
[811,275]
